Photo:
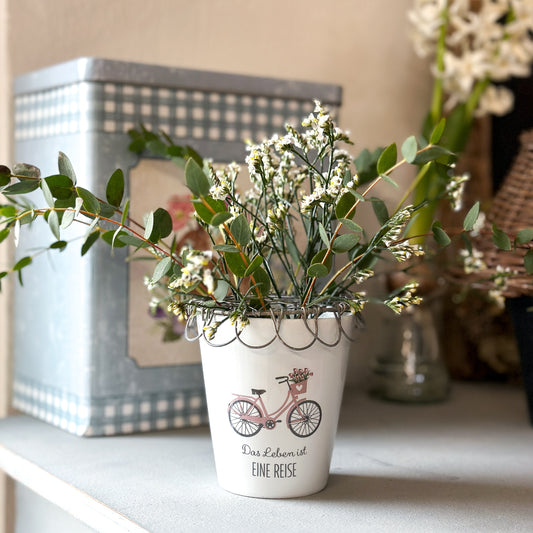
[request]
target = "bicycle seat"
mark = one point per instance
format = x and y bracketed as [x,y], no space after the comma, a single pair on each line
[258,391]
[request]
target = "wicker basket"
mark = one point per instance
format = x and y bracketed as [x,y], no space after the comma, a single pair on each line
[511,211]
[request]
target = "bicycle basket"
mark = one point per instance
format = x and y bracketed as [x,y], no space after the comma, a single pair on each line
[299,388]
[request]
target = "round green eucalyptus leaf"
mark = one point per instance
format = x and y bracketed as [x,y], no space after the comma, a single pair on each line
[317,270]
[4,233]
[257,261]
[59,245]
[528,261]
[25,170]
[207,207]
[221,290]
[240,229]
[112,238]
[53,223]
[115,188]
[409,149]
[162,268]
[89,241]
[387,159]
[65,167]
[61,186]
[5,175]
[158,225]
[137,145]
[524,235]
[8,211]
[471,217]
[195,178]
[226,248]
[106,210]
[344,206]
[21,263]
[345,242]
[90,202]
[261,281]
[21,187]
[440,236]
[220,218]
[237,263]
[320,264]
[437,132]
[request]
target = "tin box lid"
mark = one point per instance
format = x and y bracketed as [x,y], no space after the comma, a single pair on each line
[113,71]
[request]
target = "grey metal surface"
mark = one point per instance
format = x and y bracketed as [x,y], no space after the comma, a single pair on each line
[106,70]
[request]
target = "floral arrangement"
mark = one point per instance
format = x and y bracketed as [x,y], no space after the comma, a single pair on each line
[298,375]
[292,237]
[472,45]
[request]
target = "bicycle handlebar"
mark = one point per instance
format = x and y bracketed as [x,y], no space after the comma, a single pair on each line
[284,379]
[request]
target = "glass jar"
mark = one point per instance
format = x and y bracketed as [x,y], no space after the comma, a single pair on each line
[411,368]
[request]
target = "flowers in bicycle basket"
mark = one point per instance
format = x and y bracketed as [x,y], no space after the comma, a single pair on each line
[298,375]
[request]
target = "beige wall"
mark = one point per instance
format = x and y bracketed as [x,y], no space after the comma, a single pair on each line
[361,45]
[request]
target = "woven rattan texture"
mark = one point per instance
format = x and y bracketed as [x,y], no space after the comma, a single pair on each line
[511,211]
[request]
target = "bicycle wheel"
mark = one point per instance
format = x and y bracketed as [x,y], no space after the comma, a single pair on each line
[245,428]
[305,418]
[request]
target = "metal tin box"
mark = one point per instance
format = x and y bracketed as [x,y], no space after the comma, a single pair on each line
[74,326]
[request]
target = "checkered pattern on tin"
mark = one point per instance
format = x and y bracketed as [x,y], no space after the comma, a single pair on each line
[183,114]
[148,412]
[58,111]
[55,406]
[110,415]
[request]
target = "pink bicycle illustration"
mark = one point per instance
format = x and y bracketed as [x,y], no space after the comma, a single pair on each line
[248,414]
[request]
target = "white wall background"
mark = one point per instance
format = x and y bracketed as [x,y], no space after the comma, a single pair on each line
[361,45]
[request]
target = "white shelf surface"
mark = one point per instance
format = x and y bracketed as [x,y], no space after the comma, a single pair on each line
[462,465]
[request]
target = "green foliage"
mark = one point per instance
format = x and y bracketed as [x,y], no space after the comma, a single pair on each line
[66,168]
[158,225]
[344,243]
[211,211]
[409,149]
[380,210]
[90,202]
[524,236]
[237,263]
[437,132]
[500,238]
[21,187]
[471,217]
[115,188]
[5,175]
[387,159]
[440,236]
[345,206]
[240,230]
[196,180]
[528,261]
[366,165]
[89,241]
[296,232]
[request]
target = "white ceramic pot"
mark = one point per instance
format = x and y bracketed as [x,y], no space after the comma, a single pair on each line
[272,429]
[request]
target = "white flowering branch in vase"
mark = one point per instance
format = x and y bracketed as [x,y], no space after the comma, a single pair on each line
[473,45]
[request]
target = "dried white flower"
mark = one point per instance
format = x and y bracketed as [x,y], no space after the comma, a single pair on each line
[472,261]
[404,299]
[455,190]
